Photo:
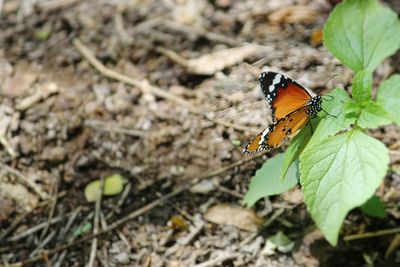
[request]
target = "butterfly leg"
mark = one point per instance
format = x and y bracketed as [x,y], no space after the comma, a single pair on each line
[333,116]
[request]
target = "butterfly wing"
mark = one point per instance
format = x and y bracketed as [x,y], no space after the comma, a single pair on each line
[271,137]
[283,94]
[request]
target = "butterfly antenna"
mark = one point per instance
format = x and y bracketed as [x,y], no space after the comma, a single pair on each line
[330,79]
[327,113]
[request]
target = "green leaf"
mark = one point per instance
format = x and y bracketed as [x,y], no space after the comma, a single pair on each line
[329,125]
[362,86]
[42,34]
[395,168]
[293,151]
[82,229]
[266,181]
[352,110]
[236,143]
[339,174]
[389,97]
[280,239]
[374,207]
[278,242]
[362,33]
[113,185]
[281,242]
[373,115]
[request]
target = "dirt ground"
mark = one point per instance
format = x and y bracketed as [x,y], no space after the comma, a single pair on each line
[164,93]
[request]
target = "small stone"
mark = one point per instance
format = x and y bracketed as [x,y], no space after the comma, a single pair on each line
[223,3]
[82,161]
[203,187]
[54,154]
[122,258]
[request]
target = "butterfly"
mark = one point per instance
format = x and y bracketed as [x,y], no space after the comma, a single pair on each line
[292,107]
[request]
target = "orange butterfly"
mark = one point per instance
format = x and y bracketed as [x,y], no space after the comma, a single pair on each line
[292,107]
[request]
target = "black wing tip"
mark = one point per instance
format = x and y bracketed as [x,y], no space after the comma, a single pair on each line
[259,149]
[265,74]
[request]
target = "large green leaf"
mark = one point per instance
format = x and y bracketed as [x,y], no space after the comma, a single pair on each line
[338,174]
[362,86]
[389,97]
[362,33]
[266,181]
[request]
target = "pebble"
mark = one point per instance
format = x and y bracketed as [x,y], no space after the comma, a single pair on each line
[122,258]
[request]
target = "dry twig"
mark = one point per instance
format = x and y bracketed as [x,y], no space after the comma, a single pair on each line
[112,127]
[38,227]
[51,5]
[119,27]
[143,85]
[42,244]
[43,195]
[394,153]
[52,208]
[372,234]
[41,93]
[189,31]
[10,150]
[233,125]
[225,255]
[58,259]
[96,223]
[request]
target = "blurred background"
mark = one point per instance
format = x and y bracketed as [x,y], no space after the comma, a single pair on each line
[149,96]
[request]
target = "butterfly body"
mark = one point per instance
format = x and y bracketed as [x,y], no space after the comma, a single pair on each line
[292,107]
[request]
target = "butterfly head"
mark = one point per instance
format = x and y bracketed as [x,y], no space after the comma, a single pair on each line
[315,106]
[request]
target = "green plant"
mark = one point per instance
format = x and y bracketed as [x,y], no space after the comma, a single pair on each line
[341,166]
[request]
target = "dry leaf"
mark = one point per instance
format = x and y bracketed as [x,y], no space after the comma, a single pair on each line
[7,207]
[394,245]
[178,223]
[216,61]
[188,12]
[317,37]
[294,15]
[22,80]
[25,200]
[294,196]
[244,219]
[42,92]
[303,255]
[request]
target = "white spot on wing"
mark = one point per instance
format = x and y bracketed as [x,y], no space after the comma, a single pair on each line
[264,133]
[276,80]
